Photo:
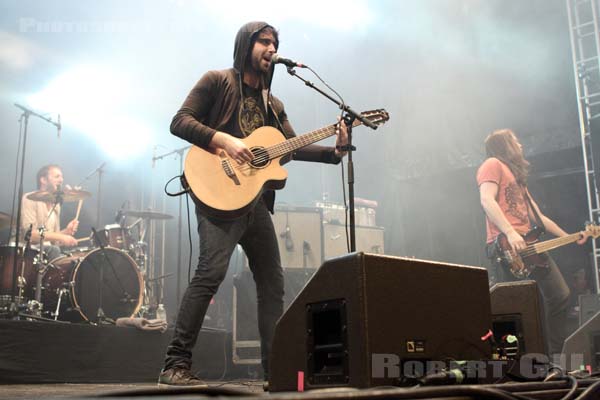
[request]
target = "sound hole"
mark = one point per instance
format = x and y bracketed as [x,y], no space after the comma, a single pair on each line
[261,157]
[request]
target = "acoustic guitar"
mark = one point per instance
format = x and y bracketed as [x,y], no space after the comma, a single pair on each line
[225,189]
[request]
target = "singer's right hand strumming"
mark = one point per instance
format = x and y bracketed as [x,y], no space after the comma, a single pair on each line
[234,147]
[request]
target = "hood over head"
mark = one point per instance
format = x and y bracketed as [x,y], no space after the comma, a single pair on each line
[243,46]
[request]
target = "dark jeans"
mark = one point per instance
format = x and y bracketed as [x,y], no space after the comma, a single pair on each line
[256,234]
[555,293]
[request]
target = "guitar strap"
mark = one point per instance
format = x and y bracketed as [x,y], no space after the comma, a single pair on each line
[537,221]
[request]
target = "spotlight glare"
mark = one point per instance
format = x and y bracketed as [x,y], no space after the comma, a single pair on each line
[92,99]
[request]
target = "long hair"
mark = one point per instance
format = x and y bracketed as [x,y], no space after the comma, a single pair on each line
[503,145]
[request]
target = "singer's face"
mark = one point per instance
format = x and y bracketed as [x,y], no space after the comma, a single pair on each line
[54,178]
[263,50]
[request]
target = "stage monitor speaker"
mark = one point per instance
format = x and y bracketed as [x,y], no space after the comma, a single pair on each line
[517,309]
[362,318]
[589,305]
[582,348]
[299,236]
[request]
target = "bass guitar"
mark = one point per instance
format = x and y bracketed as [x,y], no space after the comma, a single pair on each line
[525,261]
[225,189]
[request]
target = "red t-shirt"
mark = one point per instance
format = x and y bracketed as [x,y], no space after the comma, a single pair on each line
[510,197]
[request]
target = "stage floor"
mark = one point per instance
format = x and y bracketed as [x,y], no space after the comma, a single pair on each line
[244,388]
[69,390]
[50,352]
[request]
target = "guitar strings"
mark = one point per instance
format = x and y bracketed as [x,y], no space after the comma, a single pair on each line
[280,149]
[265,154]
[532,250]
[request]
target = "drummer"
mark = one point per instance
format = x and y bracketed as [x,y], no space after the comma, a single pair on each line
[37,214]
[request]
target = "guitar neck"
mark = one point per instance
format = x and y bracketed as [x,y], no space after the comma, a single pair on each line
[552,244]
[295,143]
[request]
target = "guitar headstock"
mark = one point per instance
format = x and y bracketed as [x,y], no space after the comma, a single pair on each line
[377,117]
[593,230]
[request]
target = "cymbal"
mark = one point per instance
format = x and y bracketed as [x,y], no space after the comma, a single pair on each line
[66,195]
[4,220]
[146,214]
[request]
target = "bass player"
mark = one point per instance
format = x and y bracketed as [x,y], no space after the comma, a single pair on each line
[511,211]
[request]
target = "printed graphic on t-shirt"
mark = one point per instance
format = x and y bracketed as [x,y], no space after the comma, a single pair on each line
[515,201]
[251,116]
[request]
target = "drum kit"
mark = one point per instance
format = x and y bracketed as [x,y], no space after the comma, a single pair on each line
[95,284]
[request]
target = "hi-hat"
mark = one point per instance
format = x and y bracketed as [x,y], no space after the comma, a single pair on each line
[146,214]
[65,195]
[4,220]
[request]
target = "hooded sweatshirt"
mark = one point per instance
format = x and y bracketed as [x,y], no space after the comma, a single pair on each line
[220,101]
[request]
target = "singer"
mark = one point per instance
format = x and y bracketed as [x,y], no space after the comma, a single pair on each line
[223,107]
[36,213]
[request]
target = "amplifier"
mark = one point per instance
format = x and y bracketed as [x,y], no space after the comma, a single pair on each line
[299,235]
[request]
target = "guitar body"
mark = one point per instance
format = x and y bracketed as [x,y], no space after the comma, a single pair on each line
[225,190]
[519,266]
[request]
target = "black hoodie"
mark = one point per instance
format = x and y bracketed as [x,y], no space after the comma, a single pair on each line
[213,105]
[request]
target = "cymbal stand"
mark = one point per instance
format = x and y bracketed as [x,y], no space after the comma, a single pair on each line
[21,278]
[100,170]
[101,317]
[24,120]
[58,199]
[141,244]
[179,152]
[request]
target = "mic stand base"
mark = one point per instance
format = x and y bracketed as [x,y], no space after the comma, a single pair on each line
[102,319]
[39,318]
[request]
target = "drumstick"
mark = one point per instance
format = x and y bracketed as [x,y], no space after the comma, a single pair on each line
[83,239]
[78,209]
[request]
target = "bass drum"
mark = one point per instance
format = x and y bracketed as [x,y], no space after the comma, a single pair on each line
[75,285]
[26,272]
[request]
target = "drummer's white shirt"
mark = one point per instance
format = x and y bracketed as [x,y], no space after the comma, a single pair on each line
[36,213]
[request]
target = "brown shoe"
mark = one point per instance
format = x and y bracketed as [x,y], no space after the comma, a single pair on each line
[179,377]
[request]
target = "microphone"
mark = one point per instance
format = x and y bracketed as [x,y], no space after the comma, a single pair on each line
[277,59]
[59,127]
[119,216]
[97,239]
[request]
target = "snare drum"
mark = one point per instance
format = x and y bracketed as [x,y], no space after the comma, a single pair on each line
[74,280]
[115,236]
[26,266]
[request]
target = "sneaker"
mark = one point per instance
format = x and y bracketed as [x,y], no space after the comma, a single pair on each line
[179,377]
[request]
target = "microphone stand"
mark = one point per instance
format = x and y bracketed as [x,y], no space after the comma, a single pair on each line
[14,306]
[349,117]
[100,315]
[99,170]
[179,152]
